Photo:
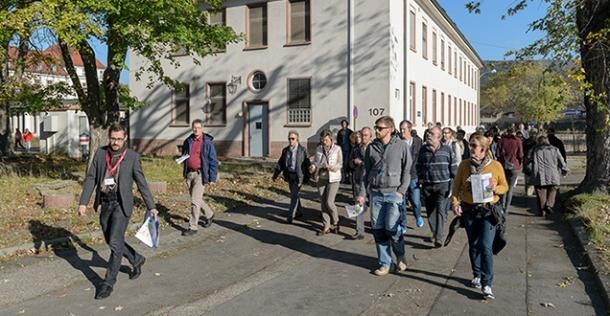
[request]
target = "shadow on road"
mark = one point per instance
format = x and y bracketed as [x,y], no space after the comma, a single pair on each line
[67,250]
[301,245]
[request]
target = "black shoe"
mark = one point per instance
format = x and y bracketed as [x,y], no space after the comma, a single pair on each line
[208,222]
[104,291]
[298,215]
[137,269]
[289,220]
[356,236]
[189,232]
[437,244]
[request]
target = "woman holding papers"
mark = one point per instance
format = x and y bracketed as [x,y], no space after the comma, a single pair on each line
[477,188]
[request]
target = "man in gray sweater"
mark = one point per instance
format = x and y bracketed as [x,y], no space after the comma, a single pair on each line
[387,164]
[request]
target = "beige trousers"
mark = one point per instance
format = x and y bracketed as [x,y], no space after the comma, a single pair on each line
[196,188]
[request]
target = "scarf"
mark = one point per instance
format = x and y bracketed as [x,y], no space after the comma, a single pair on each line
[476,167]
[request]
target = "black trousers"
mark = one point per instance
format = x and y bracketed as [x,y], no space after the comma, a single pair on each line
[435,199]
[114,224]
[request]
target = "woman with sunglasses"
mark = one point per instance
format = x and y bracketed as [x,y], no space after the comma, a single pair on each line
[327,167]
[478,218]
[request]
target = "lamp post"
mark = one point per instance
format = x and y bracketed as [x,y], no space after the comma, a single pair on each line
[492,71]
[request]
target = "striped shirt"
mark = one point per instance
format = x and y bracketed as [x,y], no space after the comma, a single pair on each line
[436,166]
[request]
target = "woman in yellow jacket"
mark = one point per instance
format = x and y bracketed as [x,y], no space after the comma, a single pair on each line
[478,218]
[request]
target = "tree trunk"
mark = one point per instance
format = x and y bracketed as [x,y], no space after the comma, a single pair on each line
[592,17]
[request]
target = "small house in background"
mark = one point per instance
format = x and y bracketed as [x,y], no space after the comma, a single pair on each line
[58,130]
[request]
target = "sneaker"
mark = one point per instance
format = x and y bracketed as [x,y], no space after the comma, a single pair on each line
[208,222]
[487,293]
[476,283]
[419,222]
[381,271]
[189,232]
[402,265]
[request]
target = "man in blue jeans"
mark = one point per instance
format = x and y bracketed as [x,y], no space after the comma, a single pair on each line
[387,165]
[413,193]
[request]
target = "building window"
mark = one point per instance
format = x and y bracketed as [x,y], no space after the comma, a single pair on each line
[455,110]
[443,108]
[461,70]
[455,63]
[449,59]
[299,101]
[424,104]
[469,75]
[434,106]
[299,23]
[464,71]
[442,54]
[218,18]
[449,122]
[434,49]
[257,26]
[181,106]
[412,29]
[216,108]
[461,109]
[424,40]
[412,102]
[257,81]
[476,80]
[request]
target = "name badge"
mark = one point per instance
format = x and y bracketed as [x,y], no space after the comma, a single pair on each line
[109,181]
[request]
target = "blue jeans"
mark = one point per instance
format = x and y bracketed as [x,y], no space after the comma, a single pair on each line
[481,233]
[414,196]
[386,216]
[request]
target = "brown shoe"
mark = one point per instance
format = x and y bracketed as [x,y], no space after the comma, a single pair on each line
[323,232]
[334,229]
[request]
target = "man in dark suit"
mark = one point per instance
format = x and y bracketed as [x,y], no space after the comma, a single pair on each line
[294,166]
[111,174]
[413,192]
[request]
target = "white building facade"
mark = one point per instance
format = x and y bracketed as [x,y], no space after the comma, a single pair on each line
[305,66]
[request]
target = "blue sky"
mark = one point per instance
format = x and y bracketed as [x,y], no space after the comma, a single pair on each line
[487,32]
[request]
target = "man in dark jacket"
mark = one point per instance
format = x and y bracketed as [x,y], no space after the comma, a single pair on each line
[436,167]
[200,169]
[344,136]
[387,165]
[111,175]
[294,165]
[510,154]
[555,141]
[413,193]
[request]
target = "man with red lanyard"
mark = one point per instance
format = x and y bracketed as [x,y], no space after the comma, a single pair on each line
[200,168]
[112,173]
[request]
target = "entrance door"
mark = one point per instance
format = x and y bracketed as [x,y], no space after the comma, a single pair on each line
[258,130]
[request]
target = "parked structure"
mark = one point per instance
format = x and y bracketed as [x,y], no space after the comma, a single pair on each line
[307,65]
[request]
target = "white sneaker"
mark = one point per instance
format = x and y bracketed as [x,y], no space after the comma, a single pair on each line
[476,283]
[487,293]
[402,265]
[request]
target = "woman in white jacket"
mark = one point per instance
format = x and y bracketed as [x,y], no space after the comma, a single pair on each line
[327,165]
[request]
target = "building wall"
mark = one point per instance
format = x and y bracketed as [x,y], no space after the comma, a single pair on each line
[358,60]
[324,60]
[424,72]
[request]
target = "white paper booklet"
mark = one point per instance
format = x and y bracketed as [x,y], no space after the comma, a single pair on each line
[479,184]
[182,159]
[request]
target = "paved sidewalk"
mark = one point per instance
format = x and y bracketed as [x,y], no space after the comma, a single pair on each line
[251,263]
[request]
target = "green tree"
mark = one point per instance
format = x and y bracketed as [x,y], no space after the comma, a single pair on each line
[153,29]
[578,29]
[537,93]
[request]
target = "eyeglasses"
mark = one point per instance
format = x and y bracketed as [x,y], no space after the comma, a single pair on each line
[381,128]
[116,140]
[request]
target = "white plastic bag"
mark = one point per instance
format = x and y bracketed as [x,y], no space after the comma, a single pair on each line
[354,210]
[149,232]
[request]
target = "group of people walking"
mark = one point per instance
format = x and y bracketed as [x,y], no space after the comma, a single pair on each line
[396,171]
[390,173]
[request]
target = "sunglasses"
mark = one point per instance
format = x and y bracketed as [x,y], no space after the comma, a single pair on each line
[381,128]
[291,138]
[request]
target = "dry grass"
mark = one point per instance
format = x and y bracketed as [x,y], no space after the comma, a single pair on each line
[594,212]
[22,218]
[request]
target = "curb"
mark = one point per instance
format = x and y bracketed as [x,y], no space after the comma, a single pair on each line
[56,241]
[597,267]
